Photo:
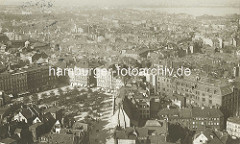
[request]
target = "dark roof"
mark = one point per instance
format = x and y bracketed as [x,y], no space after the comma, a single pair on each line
[27,113]
[37,56]
[130,109]
[131,133]
[53,109]
[47,117]
[3,38]
[205,112]
[175,113]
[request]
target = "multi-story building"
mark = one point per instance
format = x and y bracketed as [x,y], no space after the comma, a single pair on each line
[197,118]
[231,102]
[152,80]
[14,82]
[203,117]
[165,85]
[19,82]
[38,78]
[107,78]
[233,126]
[207,92]
[83,73]
[5,82]
[143,102]
[153,132]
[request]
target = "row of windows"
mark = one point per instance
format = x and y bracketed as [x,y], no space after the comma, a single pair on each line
[193,85]
[204,123]
[214,119]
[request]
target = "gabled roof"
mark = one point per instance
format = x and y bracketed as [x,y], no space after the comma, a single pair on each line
[37,56]
[212,136]
[130,109]
[27,113]
[47,117]
[153,123]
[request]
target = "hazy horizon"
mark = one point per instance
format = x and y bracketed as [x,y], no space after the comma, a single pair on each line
[235,3]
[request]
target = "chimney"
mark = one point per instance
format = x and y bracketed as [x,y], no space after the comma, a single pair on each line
[211,136]
[168,106]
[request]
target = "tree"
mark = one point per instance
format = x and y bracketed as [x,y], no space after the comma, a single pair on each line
[26,99]
[44,96]
[68,90]
[60,91]
[52,93]
[75,91]
[35,98]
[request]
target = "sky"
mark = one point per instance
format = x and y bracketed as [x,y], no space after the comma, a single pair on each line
[131,2]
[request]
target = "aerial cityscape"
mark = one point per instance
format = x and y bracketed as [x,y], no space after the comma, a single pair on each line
[119,72]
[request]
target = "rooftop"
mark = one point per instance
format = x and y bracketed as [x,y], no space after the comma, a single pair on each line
[234,120]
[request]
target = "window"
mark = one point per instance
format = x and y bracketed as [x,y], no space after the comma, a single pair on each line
[215,91]
[210,101]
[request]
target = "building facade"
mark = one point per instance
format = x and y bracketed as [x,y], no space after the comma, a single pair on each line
[233,126]
[39,79]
